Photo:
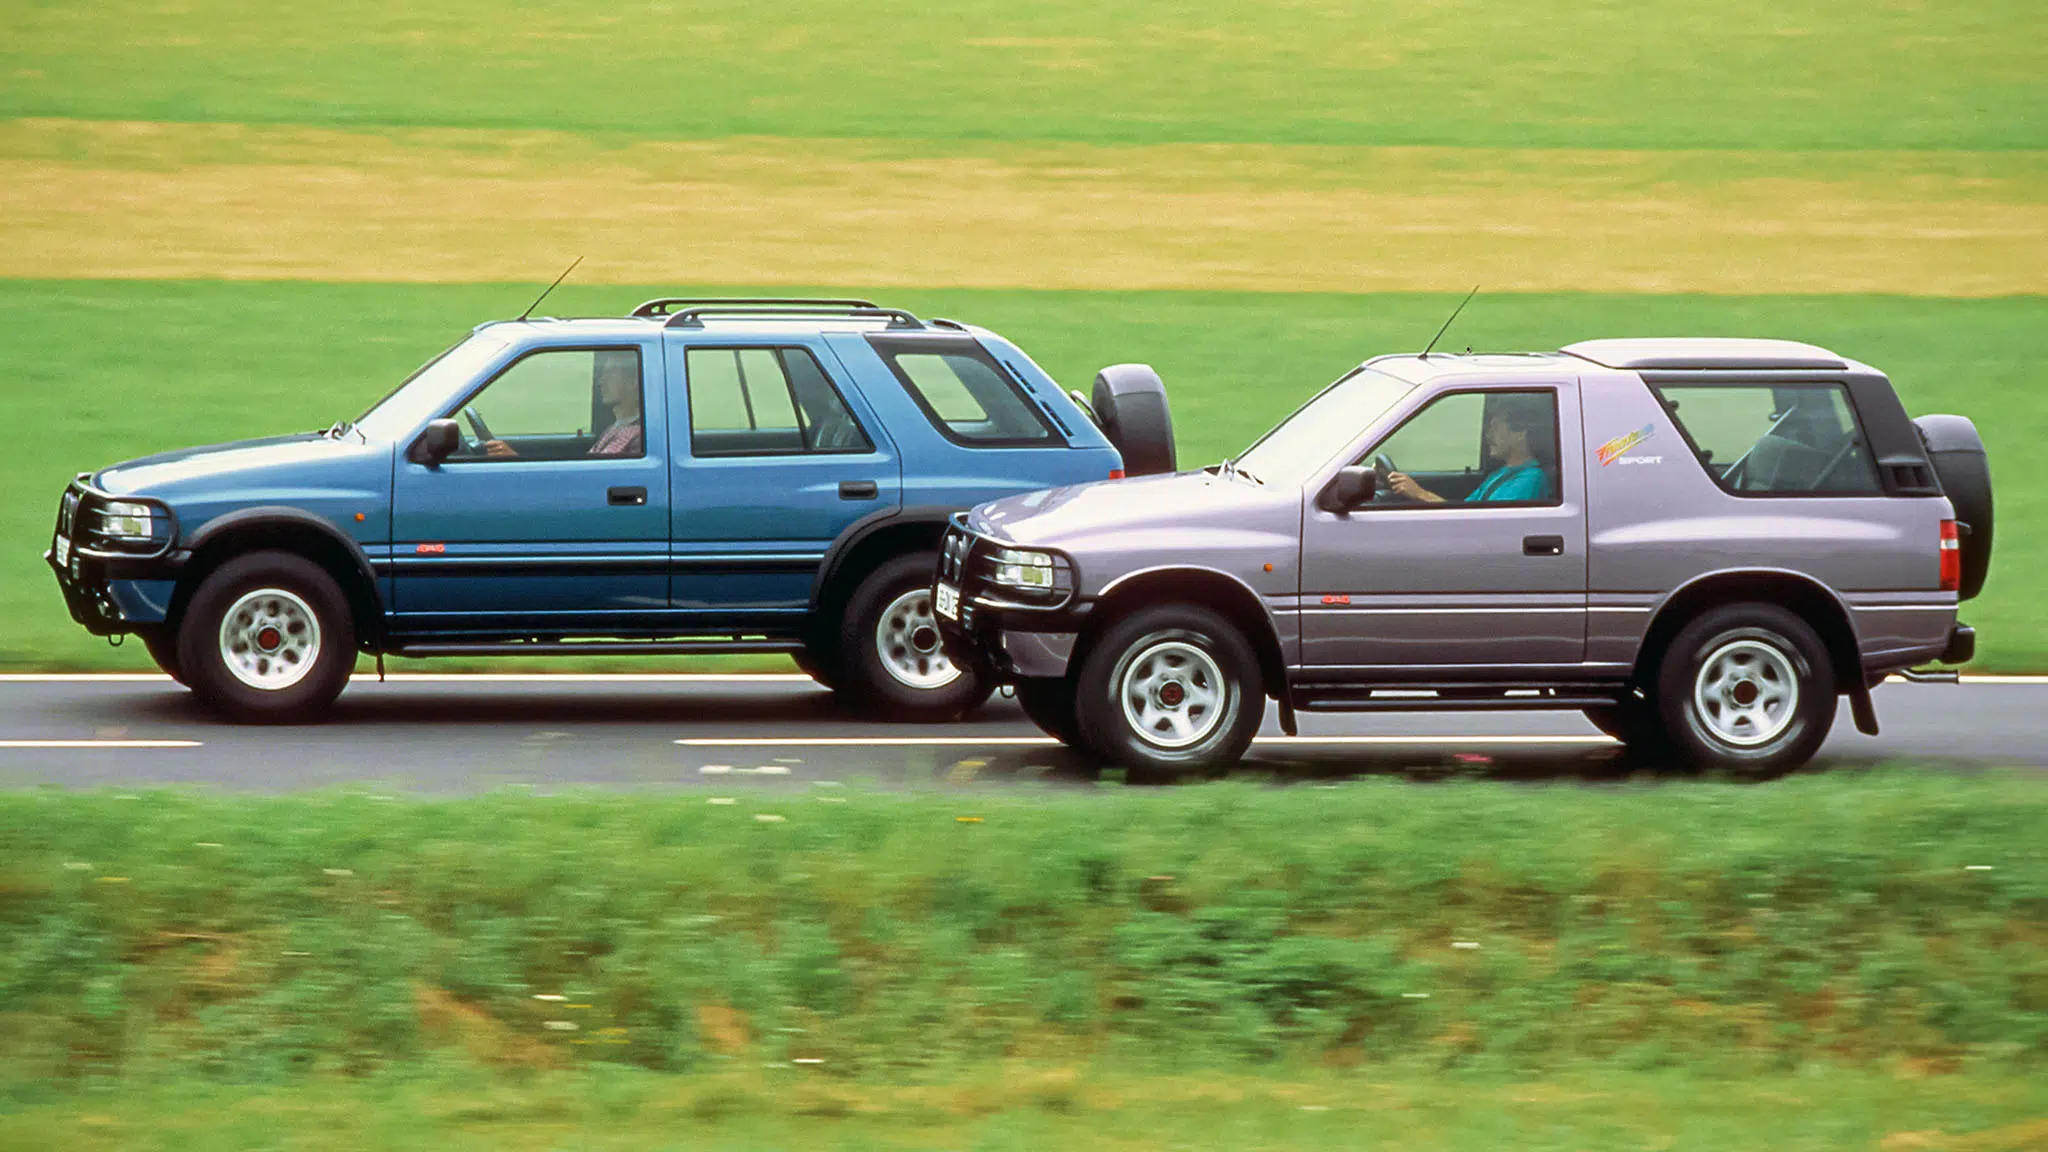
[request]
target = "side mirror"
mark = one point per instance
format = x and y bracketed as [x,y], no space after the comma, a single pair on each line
[1350,488]
[437,443]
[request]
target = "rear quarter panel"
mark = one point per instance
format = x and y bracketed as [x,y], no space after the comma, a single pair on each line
[1657,522]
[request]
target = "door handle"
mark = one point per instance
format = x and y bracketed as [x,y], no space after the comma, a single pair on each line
[1542,545]
[626,496]
[858,490]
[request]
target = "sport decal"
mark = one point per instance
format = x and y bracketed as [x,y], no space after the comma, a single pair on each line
[1612,450]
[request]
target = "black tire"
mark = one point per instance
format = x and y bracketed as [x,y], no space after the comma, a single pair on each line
[1777,651]
[1130,403]
[811,664]
[1106,730]
[1050,705]
[162,644]
[865,669]
[327,662]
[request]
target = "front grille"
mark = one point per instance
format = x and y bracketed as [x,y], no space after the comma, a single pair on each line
[954,553]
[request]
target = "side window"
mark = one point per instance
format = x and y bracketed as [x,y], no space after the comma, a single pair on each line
[964,393]
[558,404]
[1774,438]
[1473,448]
[766,402]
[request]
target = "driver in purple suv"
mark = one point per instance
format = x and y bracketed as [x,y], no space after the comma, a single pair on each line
[618,387]
[1510,436]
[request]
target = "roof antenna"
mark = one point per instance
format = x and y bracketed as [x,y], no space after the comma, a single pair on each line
[572,268]
[1447,324]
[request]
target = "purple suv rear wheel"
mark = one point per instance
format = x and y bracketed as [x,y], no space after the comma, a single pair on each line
[1748,689]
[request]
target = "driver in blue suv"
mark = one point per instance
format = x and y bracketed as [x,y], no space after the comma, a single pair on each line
[1512,431]
[618,388]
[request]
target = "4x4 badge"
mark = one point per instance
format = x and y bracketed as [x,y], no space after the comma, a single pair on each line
[1612,450]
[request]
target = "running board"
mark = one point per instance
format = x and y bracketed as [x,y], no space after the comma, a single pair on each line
[604,648]
[1450,698]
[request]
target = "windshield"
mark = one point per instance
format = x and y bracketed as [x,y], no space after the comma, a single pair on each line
[427,389]
[1301,444]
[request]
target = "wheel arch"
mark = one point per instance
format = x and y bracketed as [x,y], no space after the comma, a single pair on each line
[865,545]
[1211,588]
[1813,601]
[294,530]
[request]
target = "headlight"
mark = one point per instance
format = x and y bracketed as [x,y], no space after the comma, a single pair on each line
[127,519]
[1020,569]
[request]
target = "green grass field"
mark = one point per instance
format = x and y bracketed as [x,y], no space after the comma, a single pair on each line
[841,963]
[103,371]
[1830,74]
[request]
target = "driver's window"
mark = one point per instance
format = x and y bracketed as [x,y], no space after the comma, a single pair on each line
[559,404]
[1493,447]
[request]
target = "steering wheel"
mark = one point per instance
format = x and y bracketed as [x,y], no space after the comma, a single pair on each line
[1383,467]
[476,423]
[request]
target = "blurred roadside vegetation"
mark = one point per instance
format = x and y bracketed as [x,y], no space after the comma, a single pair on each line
[1890,921]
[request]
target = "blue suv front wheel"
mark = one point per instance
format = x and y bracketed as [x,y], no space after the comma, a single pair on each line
[267,638]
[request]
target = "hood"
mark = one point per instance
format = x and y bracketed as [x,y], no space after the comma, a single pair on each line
[1111,514]
[170,474]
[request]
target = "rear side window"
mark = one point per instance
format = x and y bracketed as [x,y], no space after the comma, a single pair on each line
[964,393]
[1774,439]
[766,402]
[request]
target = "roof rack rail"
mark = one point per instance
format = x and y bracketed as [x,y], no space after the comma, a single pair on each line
[693,317]
[664,305]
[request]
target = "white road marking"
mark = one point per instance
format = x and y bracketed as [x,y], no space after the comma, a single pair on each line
[100,744]
[1043,741]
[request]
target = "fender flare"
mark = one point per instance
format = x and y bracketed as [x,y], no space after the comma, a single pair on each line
[243,518]
[860,530]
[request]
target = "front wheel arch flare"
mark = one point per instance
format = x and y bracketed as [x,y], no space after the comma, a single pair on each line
[301,535]
[1209,589]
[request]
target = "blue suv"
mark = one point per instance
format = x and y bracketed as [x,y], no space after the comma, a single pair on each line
[764,476]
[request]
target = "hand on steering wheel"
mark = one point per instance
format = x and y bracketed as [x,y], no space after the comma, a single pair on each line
[1383,489]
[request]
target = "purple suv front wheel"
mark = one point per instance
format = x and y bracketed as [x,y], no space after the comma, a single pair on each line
[1170,690]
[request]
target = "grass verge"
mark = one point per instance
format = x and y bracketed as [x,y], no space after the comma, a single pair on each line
[457,1106]
[104,371]
[1891,920]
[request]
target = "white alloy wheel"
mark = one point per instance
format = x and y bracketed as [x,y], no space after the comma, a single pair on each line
[1746,693]
[907,637]
[270,639]
[1173,694]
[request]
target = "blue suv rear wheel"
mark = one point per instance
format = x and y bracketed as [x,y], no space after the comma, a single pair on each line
[890,656]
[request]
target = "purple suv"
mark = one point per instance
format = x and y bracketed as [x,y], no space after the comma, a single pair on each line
[1702,544]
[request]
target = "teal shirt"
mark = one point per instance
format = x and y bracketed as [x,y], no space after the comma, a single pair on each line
[1524,481]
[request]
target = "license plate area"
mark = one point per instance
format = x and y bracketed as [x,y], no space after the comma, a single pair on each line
[946,601]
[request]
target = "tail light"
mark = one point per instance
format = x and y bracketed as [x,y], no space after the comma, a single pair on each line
[1951,557]
[1116,473]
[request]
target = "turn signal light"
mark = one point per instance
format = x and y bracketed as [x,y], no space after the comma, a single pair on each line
[1116,473]
[1951,557]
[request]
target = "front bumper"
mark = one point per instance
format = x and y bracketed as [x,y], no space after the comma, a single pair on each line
[987,630]
[106,592]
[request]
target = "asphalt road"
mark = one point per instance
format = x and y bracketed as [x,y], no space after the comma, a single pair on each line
[459,734]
